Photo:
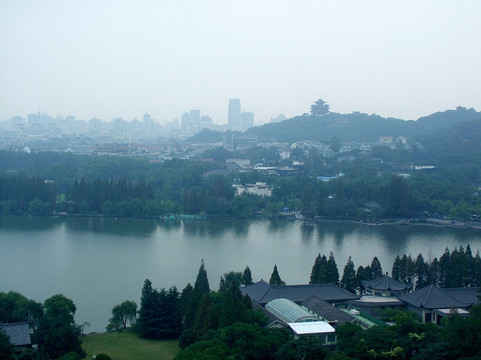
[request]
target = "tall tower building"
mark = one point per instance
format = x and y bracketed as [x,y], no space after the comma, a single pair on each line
[234,119]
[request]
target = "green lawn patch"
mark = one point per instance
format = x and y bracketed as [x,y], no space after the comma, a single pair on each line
[127,345]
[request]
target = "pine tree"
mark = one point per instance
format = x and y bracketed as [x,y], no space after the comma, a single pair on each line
[148,310]
[469,277]
[275,278]
[323,276]
[396,268]
[402,268]
[315,272]
[233,308]
[477,270]
[410,269]
[348,280]
[201,286]
[206,317]
[247,276]
[171,315]
[421,272]
[332,272]
[376,269]
[188,306]
[445,269]
[434,272]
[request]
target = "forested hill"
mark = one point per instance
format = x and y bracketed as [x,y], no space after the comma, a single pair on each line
[360,127]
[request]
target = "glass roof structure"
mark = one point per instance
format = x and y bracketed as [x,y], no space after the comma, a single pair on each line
[289,312]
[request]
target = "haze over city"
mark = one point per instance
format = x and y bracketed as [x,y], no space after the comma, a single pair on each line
[124,59]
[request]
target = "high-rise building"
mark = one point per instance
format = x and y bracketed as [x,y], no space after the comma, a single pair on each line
[234,119]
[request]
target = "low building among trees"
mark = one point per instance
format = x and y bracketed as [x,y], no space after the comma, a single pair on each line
[18,335]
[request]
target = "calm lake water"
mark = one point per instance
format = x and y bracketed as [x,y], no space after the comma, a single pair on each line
[100,262]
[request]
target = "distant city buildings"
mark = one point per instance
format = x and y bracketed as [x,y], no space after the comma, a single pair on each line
[238,120]
[193,123]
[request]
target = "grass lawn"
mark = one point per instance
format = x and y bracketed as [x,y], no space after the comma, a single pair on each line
[127,345]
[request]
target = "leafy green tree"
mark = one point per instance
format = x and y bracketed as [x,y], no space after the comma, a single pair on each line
[247,276]
[122,314]
[462,336]
[233,278]
[13,307]
[305,347]
[348,280]
[57,333]
[6,348]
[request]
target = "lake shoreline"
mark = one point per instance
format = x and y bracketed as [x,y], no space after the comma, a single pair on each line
[444,223]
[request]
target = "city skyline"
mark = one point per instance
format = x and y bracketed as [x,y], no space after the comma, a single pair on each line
[115,59]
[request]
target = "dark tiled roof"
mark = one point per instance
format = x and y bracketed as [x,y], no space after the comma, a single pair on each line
[385,283]
[466,295]
[18,333]
[328,311]
[432,297]
[256,290]
[262,292]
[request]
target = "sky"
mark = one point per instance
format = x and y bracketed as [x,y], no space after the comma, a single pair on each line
[117,58]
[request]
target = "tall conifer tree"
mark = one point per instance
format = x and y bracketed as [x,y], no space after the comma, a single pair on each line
[247,276]
[376,269]
[332,272]
[201,286]
[275,278]
[348,280]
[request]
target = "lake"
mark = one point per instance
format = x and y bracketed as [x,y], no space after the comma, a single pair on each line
[100,262]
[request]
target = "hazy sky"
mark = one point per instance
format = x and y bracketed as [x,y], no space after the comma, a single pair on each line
[119,58]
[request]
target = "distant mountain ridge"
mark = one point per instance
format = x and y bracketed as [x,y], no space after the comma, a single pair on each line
[360,126]
[352,127]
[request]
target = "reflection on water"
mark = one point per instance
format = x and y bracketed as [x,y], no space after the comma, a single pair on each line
[307,231]
[277,225]
[29,223]
[112,225]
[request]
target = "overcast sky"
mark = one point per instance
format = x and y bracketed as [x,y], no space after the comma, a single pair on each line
[117,58]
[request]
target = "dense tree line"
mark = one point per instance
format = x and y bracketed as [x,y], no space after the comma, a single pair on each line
[458,268]
[26,194]
[136,187]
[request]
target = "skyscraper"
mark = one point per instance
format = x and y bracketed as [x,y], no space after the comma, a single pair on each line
[234,119]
